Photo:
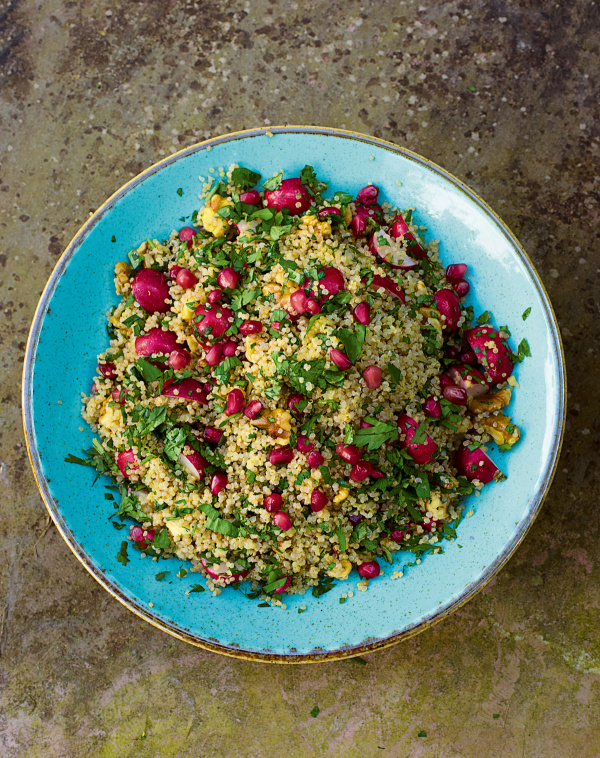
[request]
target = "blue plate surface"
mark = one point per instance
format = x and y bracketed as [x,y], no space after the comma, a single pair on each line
[69,331]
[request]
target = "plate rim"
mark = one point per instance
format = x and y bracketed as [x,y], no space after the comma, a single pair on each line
[314,656]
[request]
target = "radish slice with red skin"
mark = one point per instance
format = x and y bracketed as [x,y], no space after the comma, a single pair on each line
[471,380]
[244,226]
[475,464]
[187,234]
[283,588]
[420,452]
[290,194]
[386,283]
[399,229]
[384,247]
[193,464]
[156,341]
[219,318]
[185,390]
[448,305]
[127,462]
[151,289]
[333,281]
[220,572]
[492,353]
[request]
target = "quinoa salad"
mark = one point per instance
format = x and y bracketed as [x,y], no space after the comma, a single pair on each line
[294,389]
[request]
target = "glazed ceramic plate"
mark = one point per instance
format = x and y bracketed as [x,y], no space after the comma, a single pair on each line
[69,331]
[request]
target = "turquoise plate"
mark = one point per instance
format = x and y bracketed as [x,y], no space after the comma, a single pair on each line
[68,332]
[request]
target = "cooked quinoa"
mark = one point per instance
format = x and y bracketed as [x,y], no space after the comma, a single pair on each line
[281,403]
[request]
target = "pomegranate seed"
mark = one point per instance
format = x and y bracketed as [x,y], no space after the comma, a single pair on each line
[227,278]
[280,456]
[282,520]
[186,279]
[430,525]
[229,348]
[93,389]
[372,376]
[118,395]
[173,271]
[213,357]
[456,395]
[178,359]
[107,370]
[360,471]
[251,327]
[333,281]
[452,352]
[358,225]
[318,501]
[456,271]
[461,288]
[468,356]
[250,198]
[273,502]
[349,453]
[368,195]
[446,381]
[235,402]
[303,445]
[214,296]
[315,459]
[312,306]
[377,474]
[218,483]
[362,313]
[397,535]
[293,401]
[369,570]
[187,234]
[253,408]
[212,434]
[432,407]
[136,533]
[298,301]
[276,325]
[328,211]
[340,359]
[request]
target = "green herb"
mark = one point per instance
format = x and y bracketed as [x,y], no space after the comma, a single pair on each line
[149,372]
[526,313]
[150,419]
[159,577]
[174,443]
[524,350]
[314,374]
[315,712]
[415,514]
[484,318]
[343,198]
[352,341]
[217,524]
[130,506]
[117,526]
[394,373]
[223,370]
[250,476]
[386,554]
[161,540]
[359,660]
[134,257]
[422,733]
[342,538]
[348,434]
[244,178]
[113,238]
[122,556]
[180,192]
[275,585]
[273,183]
[197,588]
[181,573]
[326,474]
[278,231]
[473,89]
[376,435]
[496,715]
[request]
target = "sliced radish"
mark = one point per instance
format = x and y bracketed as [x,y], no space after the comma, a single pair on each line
[221,573]
[420,452]
[400,230]
[193,464]
[471,380]
[388,249]
[185,390]
[492,352]
[475,464]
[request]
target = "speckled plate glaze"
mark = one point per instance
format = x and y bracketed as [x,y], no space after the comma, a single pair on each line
[68,332]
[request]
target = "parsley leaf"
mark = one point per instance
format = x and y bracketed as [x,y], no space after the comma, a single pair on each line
[315,711]
[274,182]
[174,443]
[526,313]
[376,435]
[352,341]
[122,556]
[244,178]
[484,318]
[149,372]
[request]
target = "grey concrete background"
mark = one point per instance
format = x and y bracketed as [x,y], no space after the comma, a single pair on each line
[502,93]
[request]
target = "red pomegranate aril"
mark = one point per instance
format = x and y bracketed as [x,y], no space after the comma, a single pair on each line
[397,535]
[213,356]
[340,359]
[453,352]
[456,395]
[273,502]
[298,301]
[468,356]
[253,408]
[227,278]
[358,225]
[360,471]
[318,501]
[186,279]
[369,570]
[281,456]
[456,271]
[119,395]
[252,326]
[368,195]
[293,401]
[303,445]
[107,370]
[212,434]
[377,474]
[173,271]
[127,462]
[276,325]
[461,288]
[187,234]
[432,407]
[235,402]
[349,453]
[229,348]
[218,482]
[136,533]
[252,197]
[328,211]
[282,520]
[178,359]
[214,296]
[362,313]
[312,306]
[315,459]
[446,381]
[373,377]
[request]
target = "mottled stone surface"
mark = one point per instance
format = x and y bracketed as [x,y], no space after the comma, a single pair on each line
[504,95]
